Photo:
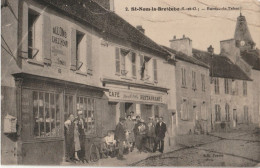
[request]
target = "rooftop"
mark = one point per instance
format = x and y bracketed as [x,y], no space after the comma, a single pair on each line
[184,57]
[105,21]
[220,66]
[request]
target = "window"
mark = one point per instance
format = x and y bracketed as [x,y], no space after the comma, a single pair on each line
[183,77]
[244,88]
[46,114]
[117,61]
[145,68]
[155,69]
[142,66]
[123,57]
[245,113]
[204,111]
[227,112]
[80,56]
[133,64]
[203,85]
[217,113]
[86,105]
[68,109]
[184,110]
[216,84]
[226,84]
[194,86]
[32,34]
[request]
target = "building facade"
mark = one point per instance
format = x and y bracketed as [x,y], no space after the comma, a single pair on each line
[192,89]
[230,91]
[59,58]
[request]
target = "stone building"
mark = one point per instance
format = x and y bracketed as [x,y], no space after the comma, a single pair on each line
[242,51]
[60,57]
[192,89]
[230,91]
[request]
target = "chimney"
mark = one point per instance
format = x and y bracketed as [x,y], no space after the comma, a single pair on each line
[107,4]
[140,28]
[183,45]
[211,49]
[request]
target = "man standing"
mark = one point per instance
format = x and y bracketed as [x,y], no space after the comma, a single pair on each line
[120,137]
[140,133]
[69,138]
[150,133]
[130,130]
[160,130]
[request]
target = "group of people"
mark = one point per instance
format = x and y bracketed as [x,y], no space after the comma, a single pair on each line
[131,132]
[74,132]
[145,136]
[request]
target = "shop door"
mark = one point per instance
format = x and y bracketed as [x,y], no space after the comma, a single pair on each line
[146,112]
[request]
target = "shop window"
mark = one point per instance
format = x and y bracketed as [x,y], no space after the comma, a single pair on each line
[183,77]
[203,85]
[87,106]
[226,84]
[184,109]
[46,114]
[68,109]
[244,88]
[194,85]
[216,85]
[217,113]
[80,56]
[227,112]
[33,34]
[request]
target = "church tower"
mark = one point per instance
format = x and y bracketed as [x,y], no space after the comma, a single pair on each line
[242,35]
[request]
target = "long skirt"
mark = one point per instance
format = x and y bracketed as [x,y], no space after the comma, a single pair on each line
[77,142]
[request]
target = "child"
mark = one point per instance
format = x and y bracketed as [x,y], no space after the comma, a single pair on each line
[110,142]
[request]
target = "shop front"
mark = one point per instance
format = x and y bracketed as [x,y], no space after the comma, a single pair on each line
[145,103]
[44,104]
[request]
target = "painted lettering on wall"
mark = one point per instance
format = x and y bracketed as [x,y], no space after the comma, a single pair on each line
[131,96]
[59,44]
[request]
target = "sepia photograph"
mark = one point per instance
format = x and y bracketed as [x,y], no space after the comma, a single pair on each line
[130,83]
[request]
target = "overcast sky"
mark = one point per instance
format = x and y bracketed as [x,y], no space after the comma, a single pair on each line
[203,27]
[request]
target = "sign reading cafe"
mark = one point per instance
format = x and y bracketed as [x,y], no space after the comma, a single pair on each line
[59,44]
[130,96]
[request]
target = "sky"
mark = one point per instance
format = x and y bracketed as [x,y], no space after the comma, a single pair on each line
[204,27]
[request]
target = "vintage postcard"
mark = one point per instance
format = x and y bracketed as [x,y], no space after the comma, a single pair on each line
[130,83]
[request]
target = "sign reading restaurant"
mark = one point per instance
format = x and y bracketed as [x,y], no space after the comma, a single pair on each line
[131,96]
[59,43]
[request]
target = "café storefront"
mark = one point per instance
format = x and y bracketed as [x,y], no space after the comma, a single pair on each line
[145,103]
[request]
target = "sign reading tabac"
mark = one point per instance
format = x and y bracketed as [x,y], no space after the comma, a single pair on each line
[131,96]
[59,44]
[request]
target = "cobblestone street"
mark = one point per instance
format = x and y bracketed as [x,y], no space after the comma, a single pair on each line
[238,148]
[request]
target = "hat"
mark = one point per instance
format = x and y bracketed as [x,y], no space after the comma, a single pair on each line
[132,112]
[121,119]
[138,116]
[150,118]
[80,112]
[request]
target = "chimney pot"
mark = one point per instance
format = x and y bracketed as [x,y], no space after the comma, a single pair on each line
[174,37]
[210,49]
[183,36]
[140,28]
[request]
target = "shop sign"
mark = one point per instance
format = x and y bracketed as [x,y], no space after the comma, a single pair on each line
[131,96]
[59,43]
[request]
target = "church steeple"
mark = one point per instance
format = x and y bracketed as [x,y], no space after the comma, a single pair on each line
[242,34]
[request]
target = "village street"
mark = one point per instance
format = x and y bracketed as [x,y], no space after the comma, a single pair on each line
[240,147]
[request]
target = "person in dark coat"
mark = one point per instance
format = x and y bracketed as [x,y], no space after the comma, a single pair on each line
[69,138]
[160,130]
[140,130]
[120,137]
[81,128]
[150,134]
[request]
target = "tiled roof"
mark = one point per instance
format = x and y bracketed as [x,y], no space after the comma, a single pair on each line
[184,57]
[103,20]
[252,57]
[220,66]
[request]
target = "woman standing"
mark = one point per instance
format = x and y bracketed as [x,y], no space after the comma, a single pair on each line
[76,139]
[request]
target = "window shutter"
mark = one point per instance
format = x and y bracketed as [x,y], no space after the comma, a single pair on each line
[117,61]
[46,37]
[73,50]
[142,66]
[155,69]
[134,64]
[89,53]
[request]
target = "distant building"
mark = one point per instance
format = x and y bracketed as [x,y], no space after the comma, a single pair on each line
[230,91]
[242,52]
[192,89]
